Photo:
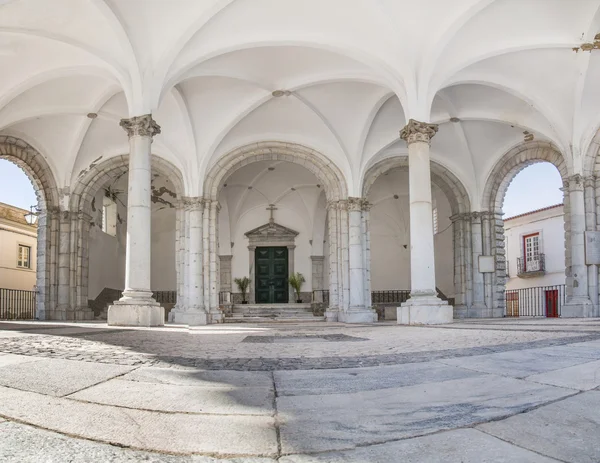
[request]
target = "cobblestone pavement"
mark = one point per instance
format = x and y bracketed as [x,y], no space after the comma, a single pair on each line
[484,390]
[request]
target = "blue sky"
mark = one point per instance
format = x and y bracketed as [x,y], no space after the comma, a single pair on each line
[15,187]
[535,187]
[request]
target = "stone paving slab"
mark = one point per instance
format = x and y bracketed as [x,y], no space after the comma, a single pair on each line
[583,350]
[567,430]
[342,421]
[207,378]
[26,444]
[318,382]
[13,359]
[582,377]
[57,377]
[161,432]
[178,398]
[517,364]
[460,446]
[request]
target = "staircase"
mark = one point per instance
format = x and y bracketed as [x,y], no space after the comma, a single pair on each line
[260,313]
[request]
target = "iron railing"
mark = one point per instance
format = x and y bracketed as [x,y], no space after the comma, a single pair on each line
[540,301]
[321,295]
[531,267]
[16,304]
[165,297]
[396,296]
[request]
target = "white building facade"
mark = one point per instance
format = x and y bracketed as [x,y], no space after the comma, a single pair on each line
[236,139]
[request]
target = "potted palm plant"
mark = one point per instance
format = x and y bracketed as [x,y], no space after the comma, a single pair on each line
[242,284]
[296,281]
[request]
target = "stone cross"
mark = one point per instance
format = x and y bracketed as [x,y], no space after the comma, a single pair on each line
[272,209]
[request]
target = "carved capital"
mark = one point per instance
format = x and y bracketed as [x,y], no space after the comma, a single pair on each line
[332,205]
[574,183]
[416,131]
[589,182]
[355,204]
[342,205]
[140,126]
[191,203]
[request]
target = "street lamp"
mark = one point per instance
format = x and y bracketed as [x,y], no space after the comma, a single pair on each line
[32,216]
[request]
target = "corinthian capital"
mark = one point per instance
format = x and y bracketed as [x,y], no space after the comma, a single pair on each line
[416,131]
[355,204]
[143,126]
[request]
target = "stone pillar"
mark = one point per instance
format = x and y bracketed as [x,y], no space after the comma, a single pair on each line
[331,313]
[590,225]
[356,311]
[578,302]
[343,258]
[366,232]
[460,280]
[82,265]
[423,307]
[193,313]
[499,277]
[64,267]
[478,308]
[487,251]
[206,252]
[225,272]
[317,277]
[215,314]
[251,287]
[137,307]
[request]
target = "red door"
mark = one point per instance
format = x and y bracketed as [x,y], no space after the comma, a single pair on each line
[552,303]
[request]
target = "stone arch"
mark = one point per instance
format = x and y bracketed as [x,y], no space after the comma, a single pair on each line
[82,195]
[501,176]
[513,162]
[91,179]
[442,177]
[591,163]
[460,205]
[325,170]
[37,169]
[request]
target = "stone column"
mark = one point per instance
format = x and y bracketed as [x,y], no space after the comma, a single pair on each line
[356,312]
[458,225]
[590,225]
[478,308]
[137,307]
[251,287]
[82,264]
[578,302]
[193,313]
[366,232]
[317,277]
[214,312]
[206,252]
[64,267]
[331,312]
[423,307]
[343,258]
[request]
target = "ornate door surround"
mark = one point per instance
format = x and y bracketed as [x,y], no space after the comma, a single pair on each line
[270,235]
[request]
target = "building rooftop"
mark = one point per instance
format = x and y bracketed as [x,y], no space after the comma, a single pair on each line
[13,213]
[534,211]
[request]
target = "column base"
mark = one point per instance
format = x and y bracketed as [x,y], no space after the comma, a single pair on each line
[357,316]
[123,314]
[195,318]
[578,307]
[425,310]
[84,313]
[331,314]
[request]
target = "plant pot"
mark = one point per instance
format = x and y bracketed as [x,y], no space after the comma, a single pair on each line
[299,301]
[244,302]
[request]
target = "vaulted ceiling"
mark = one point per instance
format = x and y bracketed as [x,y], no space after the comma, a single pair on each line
[339,76]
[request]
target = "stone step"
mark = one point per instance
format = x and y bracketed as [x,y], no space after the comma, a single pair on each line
[272,306]
[273,320]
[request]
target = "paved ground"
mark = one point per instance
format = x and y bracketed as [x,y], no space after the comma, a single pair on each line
[493,391]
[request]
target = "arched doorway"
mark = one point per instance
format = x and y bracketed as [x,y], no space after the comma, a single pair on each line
[47,281]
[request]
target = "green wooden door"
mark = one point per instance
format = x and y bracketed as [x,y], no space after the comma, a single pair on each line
[271,266]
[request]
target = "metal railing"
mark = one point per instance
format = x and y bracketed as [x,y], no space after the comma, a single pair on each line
[526,267]
[165,297]
[321,295]
[540,301]
[396,296]
[16,304]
